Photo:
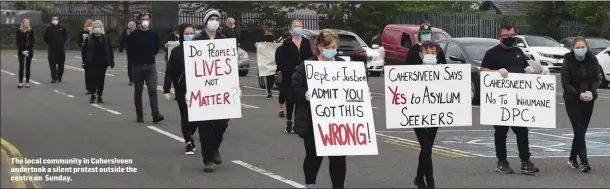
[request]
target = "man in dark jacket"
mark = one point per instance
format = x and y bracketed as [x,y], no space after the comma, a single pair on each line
[55,36]
[425,34]
[131,27]
[229,31]
[145,45]
[171,37]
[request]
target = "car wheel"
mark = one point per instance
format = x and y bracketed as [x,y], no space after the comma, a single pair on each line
[375,74]
[604,83]
[475,90]
[243,73]
[262,83]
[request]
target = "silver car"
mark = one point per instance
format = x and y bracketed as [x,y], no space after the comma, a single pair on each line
[243,60]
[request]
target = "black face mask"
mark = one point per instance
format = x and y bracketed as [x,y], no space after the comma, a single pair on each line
[508,41]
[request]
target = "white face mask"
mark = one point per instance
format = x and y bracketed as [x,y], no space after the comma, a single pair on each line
[145,23]
[213,25]
[429,59]
[55,22]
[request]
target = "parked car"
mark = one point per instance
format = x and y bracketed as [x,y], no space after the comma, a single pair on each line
[243,59]
[596,44]
[471,51]
[542,49]
[604,61]
[350,47]
[398,38]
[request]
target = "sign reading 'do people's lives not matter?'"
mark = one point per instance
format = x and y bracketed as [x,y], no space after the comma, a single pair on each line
[341,108]
[212,80]
[524,100]
[421,96]
[66,169]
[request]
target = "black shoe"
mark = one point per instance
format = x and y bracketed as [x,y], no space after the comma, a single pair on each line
[190,149]
[20,86]
[54,81]
[92,99]
[419,183]
[209,167]
[27,85]
[282,114]
[100,100]
[157,118]
[288,127]
[59,80]
[528,167]
[586,168]
[573,164]
[140,117]
[88,93]
[269,96]
[504,167]
[130,83]
[217,157]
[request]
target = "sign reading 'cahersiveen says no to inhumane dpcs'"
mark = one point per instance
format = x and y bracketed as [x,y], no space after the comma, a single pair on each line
[341,108]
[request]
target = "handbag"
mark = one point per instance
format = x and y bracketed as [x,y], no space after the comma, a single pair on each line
[278,78]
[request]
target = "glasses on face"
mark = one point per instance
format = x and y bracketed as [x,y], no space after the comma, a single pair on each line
[507,35]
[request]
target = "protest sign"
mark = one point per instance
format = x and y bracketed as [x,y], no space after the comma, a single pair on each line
[265,57]
[172,45]
[212,80]
[341,108]
[525,100]
[421,96]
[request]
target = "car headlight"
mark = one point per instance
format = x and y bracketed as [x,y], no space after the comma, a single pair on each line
[376,58]
[546,71]
[545,55]
[243,56]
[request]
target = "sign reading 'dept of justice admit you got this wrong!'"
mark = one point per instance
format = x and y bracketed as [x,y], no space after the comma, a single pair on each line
[212,80]
[341,109]
[420,96]
[524,100]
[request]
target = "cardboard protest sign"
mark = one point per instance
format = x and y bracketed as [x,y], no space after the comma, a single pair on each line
[525,100]
[422,96]
[265,57]
[212,80]
[172,45]
[341,108]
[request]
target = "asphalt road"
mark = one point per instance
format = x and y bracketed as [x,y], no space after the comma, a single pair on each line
[57,121]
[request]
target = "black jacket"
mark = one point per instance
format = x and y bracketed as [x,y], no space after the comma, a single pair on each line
[578,77]
[302,116]
[286,58]
[144,46]
[90,47]
[55,35]
[269,39]
[80,38]
[124,40]
[230,33]
[204,36]
[25,40]
[413,57]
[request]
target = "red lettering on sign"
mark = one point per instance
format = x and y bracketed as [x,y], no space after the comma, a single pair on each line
[397,98]
[209,99]
[343,134]
[227,61]
[196,74]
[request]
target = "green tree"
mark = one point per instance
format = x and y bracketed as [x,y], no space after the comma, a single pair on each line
[592,15]
[544,17]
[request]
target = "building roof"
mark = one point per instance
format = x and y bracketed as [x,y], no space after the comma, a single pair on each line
[504,7]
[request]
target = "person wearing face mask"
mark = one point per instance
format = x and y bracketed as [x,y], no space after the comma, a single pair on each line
[25,51]
[268,38]
[425,34]
[55,36]
[97,56]
[580,78]
[293,51]
[325,50]
[131,27]
[144,43]
[505,58]
[88,28]
[171,37]
[174,74]
[229,31]
[211,26]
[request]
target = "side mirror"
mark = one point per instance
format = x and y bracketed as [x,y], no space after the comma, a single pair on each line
[375,46]
[521,45]
[561,45]
[453,58]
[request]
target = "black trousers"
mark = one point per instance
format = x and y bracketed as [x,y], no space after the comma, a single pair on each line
[425,137]
[88,79]
[522,142]
[97,79]
[337,166]
[188,128]
[145,74]
[129,64]
[286,96]
[57,59]
[25,63]
[270,83]
[580,115]
[211,133]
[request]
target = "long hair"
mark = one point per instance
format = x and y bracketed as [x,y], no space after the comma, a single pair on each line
[87,22]
[101,25]
[181,32]
[24,28]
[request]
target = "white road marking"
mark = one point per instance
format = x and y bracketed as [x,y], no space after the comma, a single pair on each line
[375,107]
[80,69]
[269,174]
[255,95]
[62,93]
[437,146]
[170,135]
[569,138]
[124,66]
[7,72]
[78,57]
[106,109]
[15,56]
[35,82]
[248,106]
[257,88]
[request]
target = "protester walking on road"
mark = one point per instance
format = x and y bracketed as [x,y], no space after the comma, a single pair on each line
[98,56]
[82,37]
[171,37]
[325,50]
[174,74]
[505,58]
[55,36]
[145,44]
[131,27]
[25,51]
[211,132]
[580,78]
[270,79]
[293,51]
[425,34]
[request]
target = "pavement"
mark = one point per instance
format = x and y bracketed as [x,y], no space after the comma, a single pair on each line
[52,121]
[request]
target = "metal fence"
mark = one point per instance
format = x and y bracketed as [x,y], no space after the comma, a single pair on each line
[253,21]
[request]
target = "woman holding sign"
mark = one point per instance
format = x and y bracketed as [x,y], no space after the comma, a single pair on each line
[325,50]
[580,78]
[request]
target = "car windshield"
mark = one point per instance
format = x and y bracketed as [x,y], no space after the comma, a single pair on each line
[598,43]
[537,41]
[477,51]
[350,42]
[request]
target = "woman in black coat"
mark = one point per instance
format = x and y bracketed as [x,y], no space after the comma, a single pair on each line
[580,78]
[25,51]
[97,56]
[131,27]
[82,37]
